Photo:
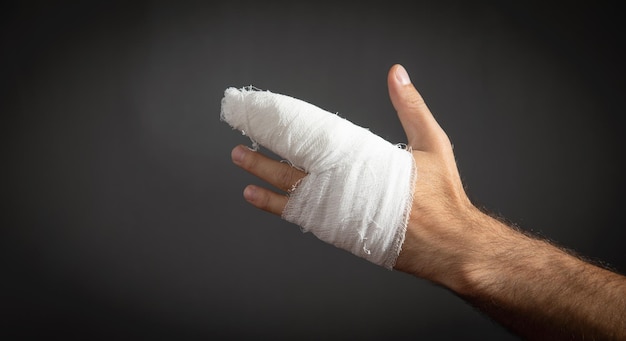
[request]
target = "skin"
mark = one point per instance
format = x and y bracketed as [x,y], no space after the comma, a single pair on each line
[530,286]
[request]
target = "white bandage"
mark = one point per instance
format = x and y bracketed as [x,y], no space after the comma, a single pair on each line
[358,191]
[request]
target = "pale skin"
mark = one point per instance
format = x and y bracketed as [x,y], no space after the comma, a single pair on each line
[530,286]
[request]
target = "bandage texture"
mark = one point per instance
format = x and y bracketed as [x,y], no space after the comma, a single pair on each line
[358,191]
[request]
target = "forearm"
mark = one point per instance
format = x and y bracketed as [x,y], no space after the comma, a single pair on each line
[508,275]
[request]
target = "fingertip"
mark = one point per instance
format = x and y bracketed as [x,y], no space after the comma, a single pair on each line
[238,154]
[401,75]
[265,199]
[250,194]
[401,89]
[398,77]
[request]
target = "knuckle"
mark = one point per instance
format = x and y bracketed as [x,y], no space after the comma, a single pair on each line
[264,202]
[285,177]
[415,101]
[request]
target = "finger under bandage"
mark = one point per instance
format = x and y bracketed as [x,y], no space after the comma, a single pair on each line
[358,191]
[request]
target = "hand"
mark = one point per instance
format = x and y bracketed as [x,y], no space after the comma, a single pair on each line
[530,286]
[438,194]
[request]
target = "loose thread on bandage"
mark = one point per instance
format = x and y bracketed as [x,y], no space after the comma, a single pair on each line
[255,145]
[294,187]
[292,165]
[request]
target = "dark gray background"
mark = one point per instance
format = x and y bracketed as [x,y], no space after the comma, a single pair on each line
[123,215]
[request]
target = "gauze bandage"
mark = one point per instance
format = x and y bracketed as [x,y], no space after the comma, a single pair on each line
[358,191]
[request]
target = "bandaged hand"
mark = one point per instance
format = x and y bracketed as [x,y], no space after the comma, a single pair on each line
[393,212]
[528,285]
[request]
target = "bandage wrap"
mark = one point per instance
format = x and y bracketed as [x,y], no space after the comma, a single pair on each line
[358,191]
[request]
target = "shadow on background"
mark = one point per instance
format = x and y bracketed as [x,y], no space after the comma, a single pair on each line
[123,215]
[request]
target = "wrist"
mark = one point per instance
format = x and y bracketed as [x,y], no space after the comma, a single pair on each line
[492,253]
[443,246]
[462,252]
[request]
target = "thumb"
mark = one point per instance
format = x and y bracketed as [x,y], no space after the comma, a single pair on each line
[422,130]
